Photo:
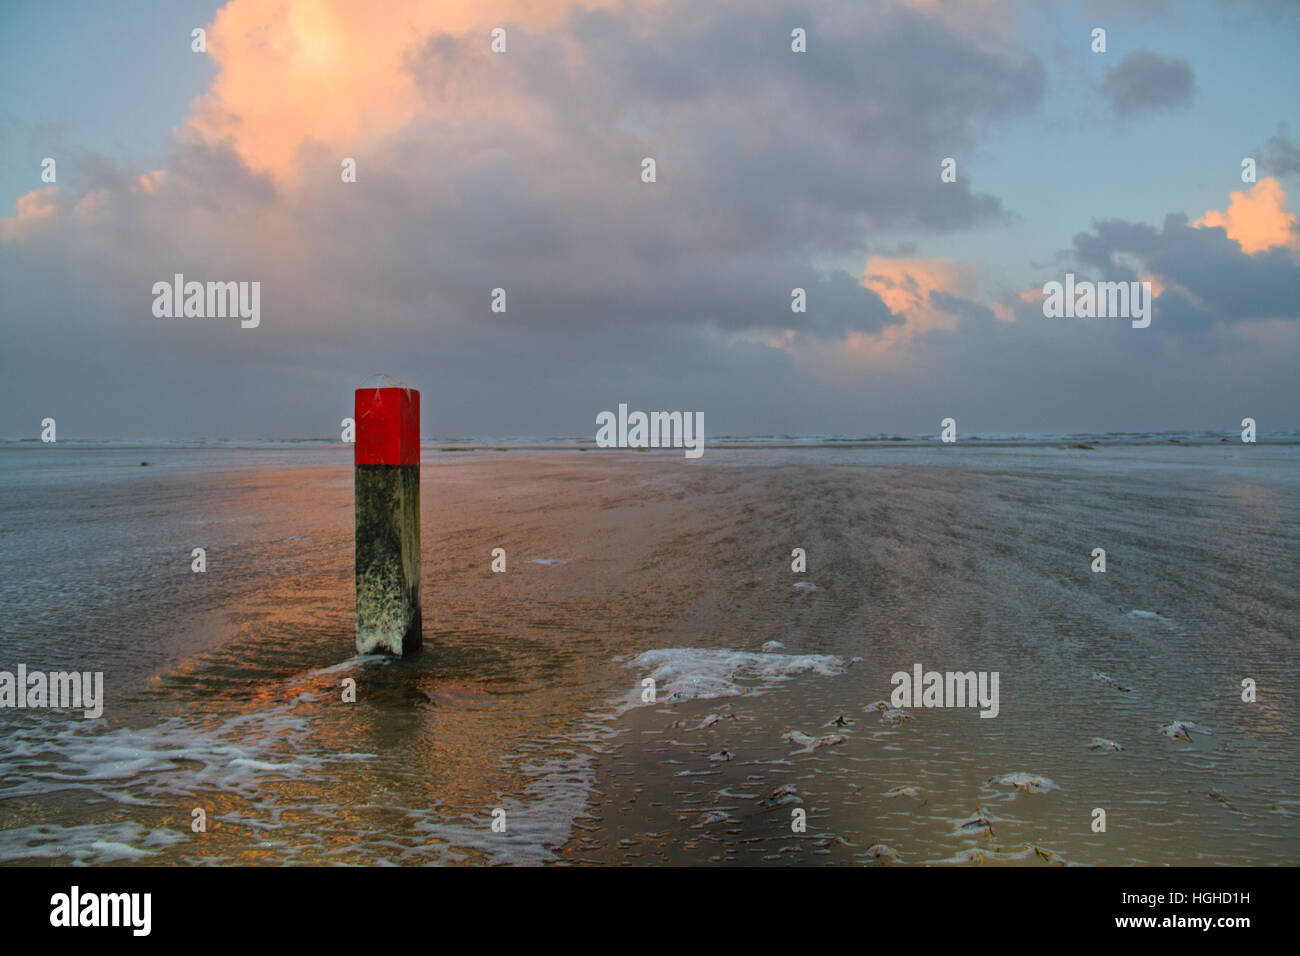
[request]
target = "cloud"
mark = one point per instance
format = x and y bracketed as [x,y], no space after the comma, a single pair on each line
[334,71]
[1280,155]
[521,171]
[40,206]
[967,309]
[1223,269]
[925,292]
[1258,219]
[1144,82]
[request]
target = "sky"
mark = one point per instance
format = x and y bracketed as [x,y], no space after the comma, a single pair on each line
[523,170]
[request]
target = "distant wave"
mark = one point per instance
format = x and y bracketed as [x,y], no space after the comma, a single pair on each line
[472,442]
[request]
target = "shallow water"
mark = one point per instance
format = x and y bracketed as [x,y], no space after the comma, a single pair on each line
[224,689]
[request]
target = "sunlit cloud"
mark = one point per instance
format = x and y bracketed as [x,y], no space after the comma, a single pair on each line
[334,72]
[1258,219]
[905,286]
[31,211]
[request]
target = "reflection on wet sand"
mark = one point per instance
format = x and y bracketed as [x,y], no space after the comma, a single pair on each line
[225,690]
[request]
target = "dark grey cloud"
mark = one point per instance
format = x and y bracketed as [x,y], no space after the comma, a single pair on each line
[973,313]
[1280,155]
[1145,82]
[1213,280]
[1286,11]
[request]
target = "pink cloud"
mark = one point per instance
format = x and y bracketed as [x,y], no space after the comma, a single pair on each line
[1257,220]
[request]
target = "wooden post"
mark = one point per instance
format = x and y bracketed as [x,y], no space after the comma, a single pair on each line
[387,490]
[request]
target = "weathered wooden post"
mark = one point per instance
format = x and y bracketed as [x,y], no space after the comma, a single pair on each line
[387,489]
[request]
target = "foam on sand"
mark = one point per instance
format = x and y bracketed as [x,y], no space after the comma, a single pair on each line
[699,673]
[542,821]
[87,844]
[903,791]
[1183,730]
[809,744]
[177,761]
[539,822]
[1027,782]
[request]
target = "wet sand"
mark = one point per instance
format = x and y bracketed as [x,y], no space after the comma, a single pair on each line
[223,688]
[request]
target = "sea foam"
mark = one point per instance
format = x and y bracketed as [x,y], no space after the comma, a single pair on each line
[698,673]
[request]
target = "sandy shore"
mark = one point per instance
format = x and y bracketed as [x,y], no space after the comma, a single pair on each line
[222,689]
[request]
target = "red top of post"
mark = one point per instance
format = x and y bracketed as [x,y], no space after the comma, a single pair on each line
[388,426]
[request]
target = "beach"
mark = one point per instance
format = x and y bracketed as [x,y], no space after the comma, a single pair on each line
[223,690]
